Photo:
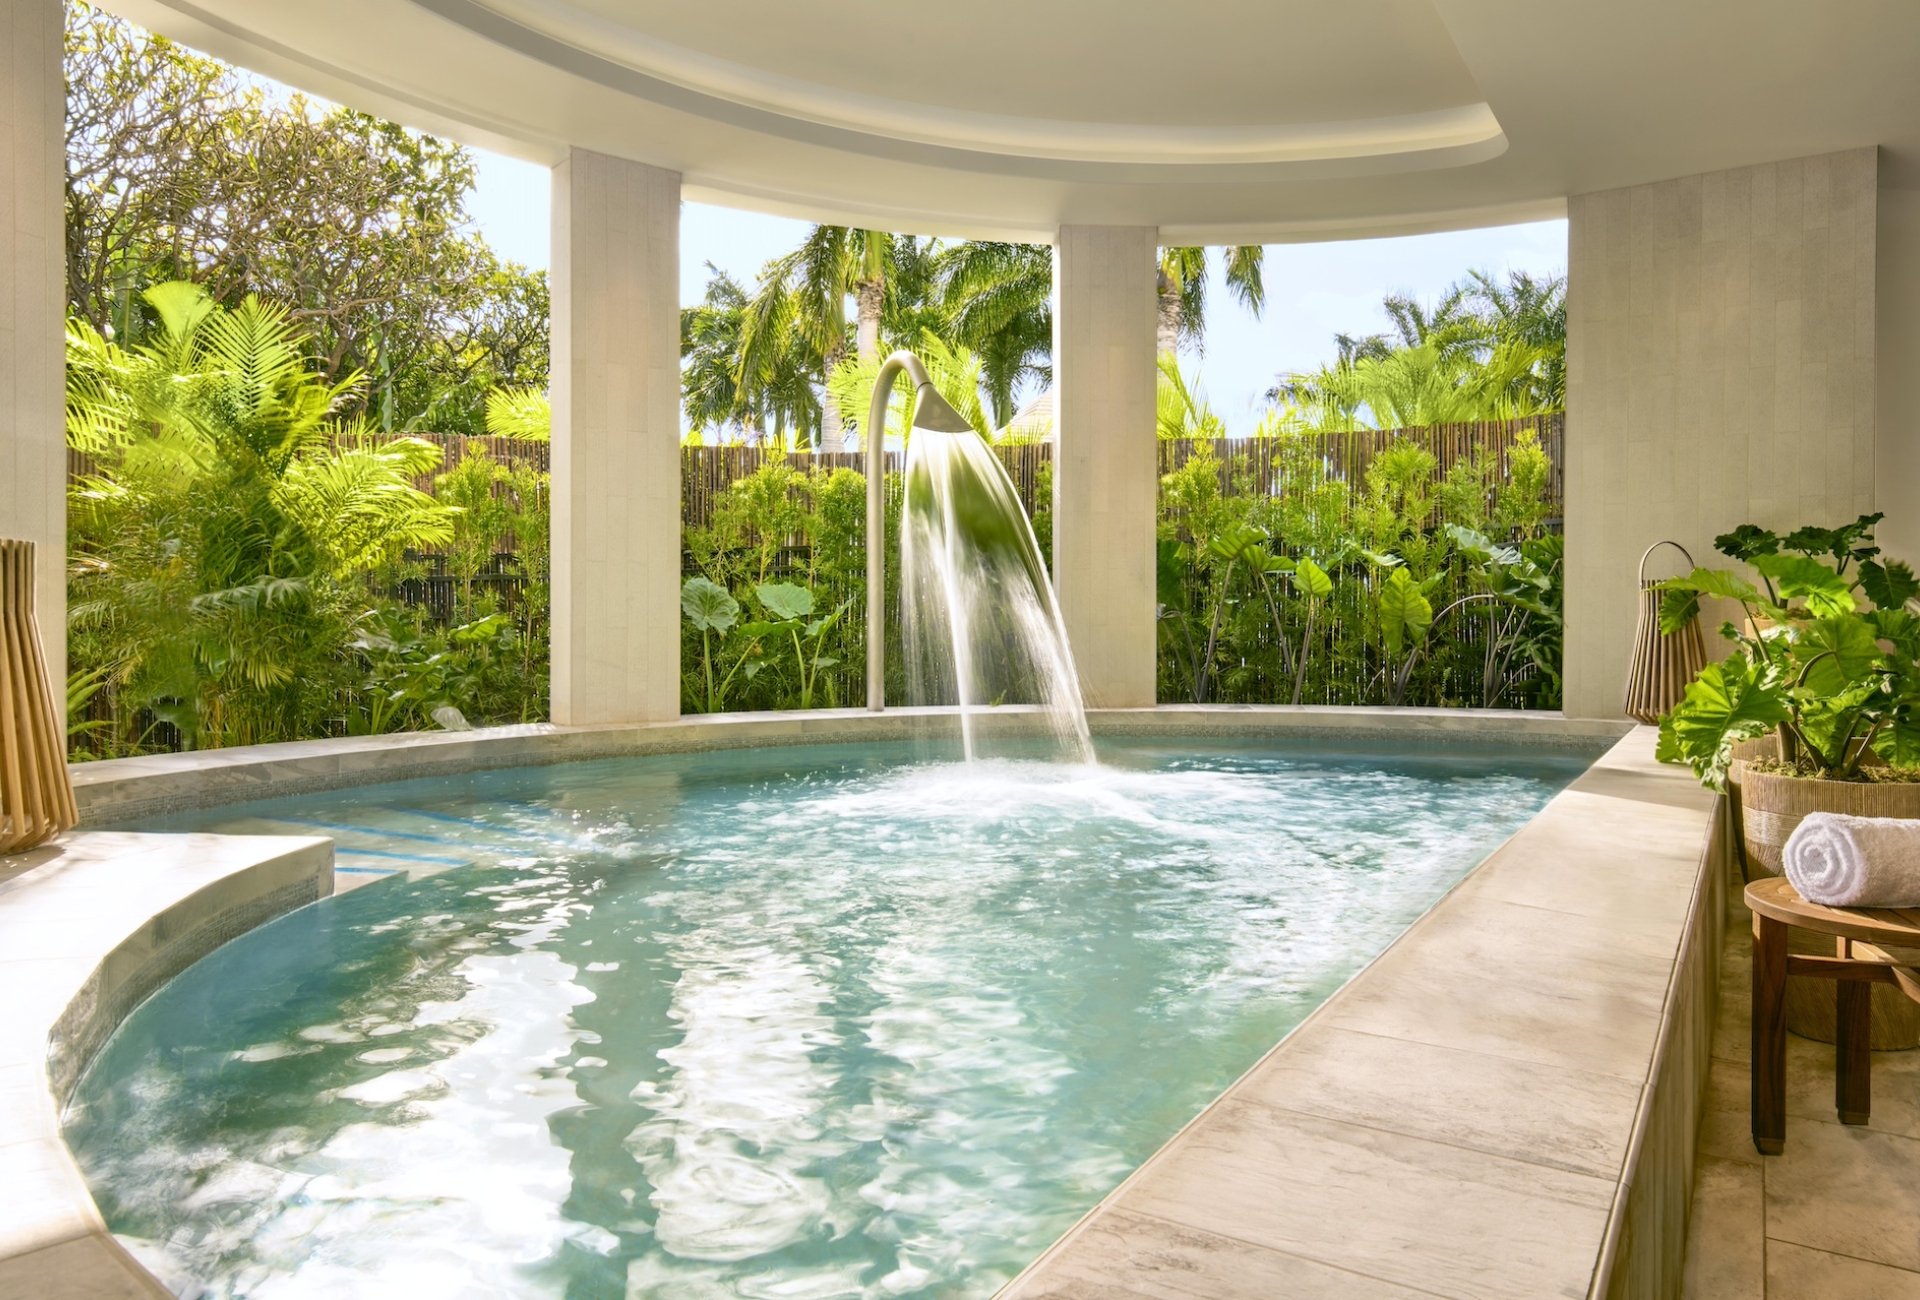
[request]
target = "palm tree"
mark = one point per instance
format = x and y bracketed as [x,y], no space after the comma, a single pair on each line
[1183,290]
[1328,398]
[805,293]
[997,303]
[1180,408]
[1531,312]
[1486,350]
[768,396]
[954,370]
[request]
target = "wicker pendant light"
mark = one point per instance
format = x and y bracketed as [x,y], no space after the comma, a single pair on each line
[1663,663]
[36,795]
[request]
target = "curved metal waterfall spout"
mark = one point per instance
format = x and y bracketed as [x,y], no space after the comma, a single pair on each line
[930,411]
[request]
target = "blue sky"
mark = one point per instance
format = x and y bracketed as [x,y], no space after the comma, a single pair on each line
[1313,290]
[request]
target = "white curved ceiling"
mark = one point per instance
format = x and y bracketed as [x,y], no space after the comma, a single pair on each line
[857,66]
[1216,120]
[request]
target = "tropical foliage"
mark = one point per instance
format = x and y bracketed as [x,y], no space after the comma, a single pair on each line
[1488,350]
[214,549]
[1181,283]
[1416,588]
[269,296]
[1826,655]
[180,168]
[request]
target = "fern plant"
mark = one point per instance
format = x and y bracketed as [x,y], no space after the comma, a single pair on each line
[214,545]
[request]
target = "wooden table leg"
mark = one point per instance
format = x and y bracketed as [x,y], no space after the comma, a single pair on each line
[1852,1074]
[1769,1035]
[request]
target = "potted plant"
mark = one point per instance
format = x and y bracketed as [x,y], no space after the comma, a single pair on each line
[1816,710]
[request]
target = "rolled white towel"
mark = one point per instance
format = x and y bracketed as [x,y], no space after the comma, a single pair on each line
[1844,861]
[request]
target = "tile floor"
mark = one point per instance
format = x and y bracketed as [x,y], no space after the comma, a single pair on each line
[1836,1216]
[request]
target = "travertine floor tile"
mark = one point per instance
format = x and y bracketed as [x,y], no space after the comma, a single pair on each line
[1122,1256]
[88,1268]
[1796,1273]
[1726,1241]
[1418,1213]
[1543,1114]
[1848,1190]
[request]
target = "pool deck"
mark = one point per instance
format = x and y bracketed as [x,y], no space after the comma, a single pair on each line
[1505,1103]
[1502,1105]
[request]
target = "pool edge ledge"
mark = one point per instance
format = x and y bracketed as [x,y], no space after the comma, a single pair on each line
[118,790]
[89,926]
[1503,1103]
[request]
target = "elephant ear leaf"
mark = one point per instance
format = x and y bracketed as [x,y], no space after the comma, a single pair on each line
[1312,580]
[1836,652]
[1237,542]
[1680,600]
[1890,585]
[1678,607]
[707,605]
[1727,703]
[1899,741]
[1899,629]
[784,600]
[1718,582]
[1480,548]
[1405,613]
[1802,578]
[1747,541]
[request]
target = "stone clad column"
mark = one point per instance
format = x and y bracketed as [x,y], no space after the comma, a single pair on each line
[616,441]
[33,444]
[1106,463]
[1720,371]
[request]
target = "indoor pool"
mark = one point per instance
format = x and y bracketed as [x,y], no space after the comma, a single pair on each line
[795,1023]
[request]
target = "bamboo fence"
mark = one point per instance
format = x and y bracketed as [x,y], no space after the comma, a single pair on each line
[1247,464]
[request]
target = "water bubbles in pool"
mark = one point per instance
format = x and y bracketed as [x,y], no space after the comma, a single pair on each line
[797,1025]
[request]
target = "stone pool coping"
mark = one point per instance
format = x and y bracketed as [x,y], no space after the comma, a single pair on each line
[1503,1103]
[128,788]
[89,926]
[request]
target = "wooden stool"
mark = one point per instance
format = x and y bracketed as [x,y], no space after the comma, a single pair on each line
[1858,963]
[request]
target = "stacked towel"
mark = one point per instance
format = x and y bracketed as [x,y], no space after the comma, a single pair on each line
[1844,861]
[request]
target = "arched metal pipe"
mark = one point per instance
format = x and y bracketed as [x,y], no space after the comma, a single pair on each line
[930,411]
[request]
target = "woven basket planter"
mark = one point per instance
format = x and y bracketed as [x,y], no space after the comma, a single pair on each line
[1770,807]
[36,795]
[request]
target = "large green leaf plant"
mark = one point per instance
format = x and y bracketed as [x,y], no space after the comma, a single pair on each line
[1827,655]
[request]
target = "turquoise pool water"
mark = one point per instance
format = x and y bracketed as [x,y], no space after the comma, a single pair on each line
[789,1024]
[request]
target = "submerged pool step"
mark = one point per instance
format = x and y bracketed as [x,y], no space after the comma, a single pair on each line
[415,845]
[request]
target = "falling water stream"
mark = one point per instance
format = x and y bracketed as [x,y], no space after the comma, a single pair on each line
[982,626]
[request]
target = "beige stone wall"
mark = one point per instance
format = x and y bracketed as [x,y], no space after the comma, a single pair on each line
[1106,465]
[1720,370]
[1896,461]
[32,383]
[616,441]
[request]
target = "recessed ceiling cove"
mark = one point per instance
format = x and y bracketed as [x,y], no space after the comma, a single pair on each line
[1214,121]
[1364,85]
